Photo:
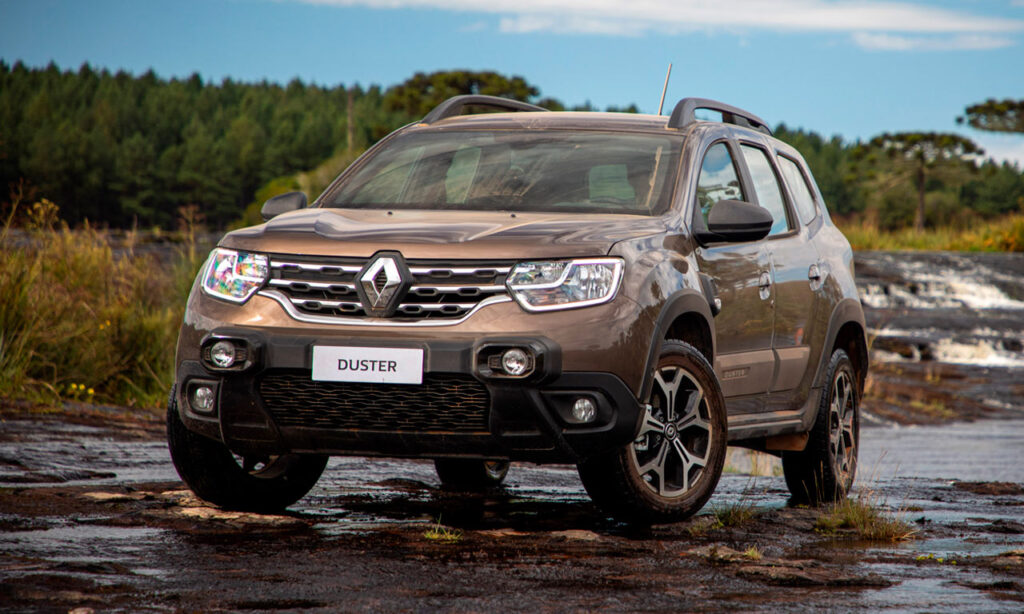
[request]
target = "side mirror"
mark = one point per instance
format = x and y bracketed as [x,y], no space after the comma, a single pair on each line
[292,201]
[737,221]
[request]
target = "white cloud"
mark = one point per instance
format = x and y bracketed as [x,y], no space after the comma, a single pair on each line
[895,42]
[1000,147]
[635,17]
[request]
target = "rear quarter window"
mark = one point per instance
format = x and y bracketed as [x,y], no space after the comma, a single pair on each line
[797,183]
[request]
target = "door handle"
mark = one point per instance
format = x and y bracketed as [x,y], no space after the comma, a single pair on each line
[814,273]
[764,286]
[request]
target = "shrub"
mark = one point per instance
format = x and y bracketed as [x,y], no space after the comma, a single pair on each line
[79,320]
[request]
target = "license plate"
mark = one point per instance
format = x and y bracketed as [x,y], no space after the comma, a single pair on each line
[368,364]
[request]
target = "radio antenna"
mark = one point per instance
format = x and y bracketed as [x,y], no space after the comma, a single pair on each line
[664,89]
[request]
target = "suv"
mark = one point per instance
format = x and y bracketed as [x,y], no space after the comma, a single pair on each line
[628,293]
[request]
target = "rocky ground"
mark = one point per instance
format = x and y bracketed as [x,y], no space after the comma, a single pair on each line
[92,516]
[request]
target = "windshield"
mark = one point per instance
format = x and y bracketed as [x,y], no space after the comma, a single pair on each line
[517,170]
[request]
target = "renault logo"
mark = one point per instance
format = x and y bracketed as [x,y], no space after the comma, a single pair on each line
[381,284]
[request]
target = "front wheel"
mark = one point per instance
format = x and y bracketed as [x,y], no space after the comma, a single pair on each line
[672,467]
[247,483]
[824,471]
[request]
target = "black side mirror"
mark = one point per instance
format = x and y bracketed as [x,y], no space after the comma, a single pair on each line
[736,221]
[292,201]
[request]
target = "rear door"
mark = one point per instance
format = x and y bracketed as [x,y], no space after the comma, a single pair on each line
[793,265]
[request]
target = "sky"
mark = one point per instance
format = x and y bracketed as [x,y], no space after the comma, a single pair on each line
[838,67]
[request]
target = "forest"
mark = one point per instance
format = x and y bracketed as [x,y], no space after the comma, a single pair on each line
[123,151]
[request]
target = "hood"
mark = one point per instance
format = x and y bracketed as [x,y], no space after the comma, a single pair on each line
[442,234]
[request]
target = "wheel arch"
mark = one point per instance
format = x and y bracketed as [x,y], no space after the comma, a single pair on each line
[685,316]
[847,332]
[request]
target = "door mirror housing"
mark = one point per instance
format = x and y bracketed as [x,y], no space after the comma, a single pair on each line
[736,221]
[292,201]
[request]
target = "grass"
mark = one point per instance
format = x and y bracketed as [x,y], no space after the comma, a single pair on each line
[81,322]
[439,533]
[1004,234]
[738,514]
[862,517]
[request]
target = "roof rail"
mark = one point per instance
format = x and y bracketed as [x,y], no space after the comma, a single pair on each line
[454,106]
[684,114]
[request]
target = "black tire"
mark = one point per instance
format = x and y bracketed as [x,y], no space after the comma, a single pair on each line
[214,474]
[824,471]
[672,468]
[470,474]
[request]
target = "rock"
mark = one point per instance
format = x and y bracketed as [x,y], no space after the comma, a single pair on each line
[577,535]
[794,576]
[990,488]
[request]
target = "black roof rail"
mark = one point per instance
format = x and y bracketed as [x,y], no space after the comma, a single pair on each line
[684,114]
[454,106]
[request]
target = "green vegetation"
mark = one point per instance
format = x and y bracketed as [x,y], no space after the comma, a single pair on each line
[129,151]
[80,322]
[1004,234]
[861,517]
[443,534]
[124,151]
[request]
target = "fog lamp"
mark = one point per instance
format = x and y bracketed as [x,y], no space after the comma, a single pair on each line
[202,399]
[222,354]
[515,361]
[584,409]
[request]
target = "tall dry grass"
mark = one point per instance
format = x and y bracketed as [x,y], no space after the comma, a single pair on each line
[78,321]
[1004,234]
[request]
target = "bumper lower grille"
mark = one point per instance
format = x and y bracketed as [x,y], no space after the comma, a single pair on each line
[321,286]
[449,403]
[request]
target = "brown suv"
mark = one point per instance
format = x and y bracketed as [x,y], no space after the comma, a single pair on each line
[629,293]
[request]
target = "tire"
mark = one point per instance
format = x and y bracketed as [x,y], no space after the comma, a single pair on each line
[824,471]
[470,474]
[671,469]
[252,484]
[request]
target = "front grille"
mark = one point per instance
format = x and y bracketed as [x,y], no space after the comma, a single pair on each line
[324,286]
[444,402]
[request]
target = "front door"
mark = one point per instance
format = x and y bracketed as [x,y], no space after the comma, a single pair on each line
[741,274]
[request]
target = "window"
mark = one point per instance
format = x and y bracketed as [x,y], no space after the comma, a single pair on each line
[610,183]
[766,184]
[523,170]
[387,185]
[798,188]
[718,179]
[460,174]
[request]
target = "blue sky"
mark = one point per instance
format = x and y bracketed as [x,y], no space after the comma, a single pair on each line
[843,67]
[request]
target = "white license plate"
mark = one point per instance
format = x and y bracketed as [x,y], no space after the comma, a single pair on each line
[363,364]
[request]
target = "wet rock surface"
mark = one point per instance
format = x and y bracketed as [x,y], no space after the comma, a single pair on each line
[381,535]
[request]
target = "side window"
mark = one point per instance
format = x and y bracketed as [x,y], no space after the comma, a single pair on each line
[804,201]
[766,184]
[718,179]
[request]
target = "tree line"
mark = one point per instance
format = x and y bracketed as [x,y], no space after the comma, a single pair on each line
[124,150]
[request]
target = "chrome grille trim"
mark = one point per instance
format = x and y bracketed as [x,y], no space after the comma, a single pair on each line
[291,283]
[326,289]
[343,268]
[498,270]
[285,303]
[457,289]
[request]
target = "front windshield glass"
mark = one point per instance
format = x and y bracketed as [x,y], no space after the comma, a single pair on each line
[517,170]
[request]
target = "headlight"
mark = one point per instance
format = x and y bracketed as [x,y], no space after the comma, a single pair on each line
[564,284]
[234,276]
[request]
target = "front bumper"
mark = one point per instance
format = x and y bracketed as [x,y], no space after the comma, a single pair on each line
[462,409]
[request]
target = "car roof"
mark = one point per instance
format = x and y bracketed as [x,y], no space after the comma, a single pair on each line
[556,120]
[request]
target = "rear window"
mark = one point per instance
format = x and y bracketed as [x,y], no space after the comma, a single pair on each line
[517,170]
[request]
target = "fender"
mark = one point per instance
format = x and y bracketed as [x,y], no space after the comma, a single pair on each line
[684,301]
[846,311]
